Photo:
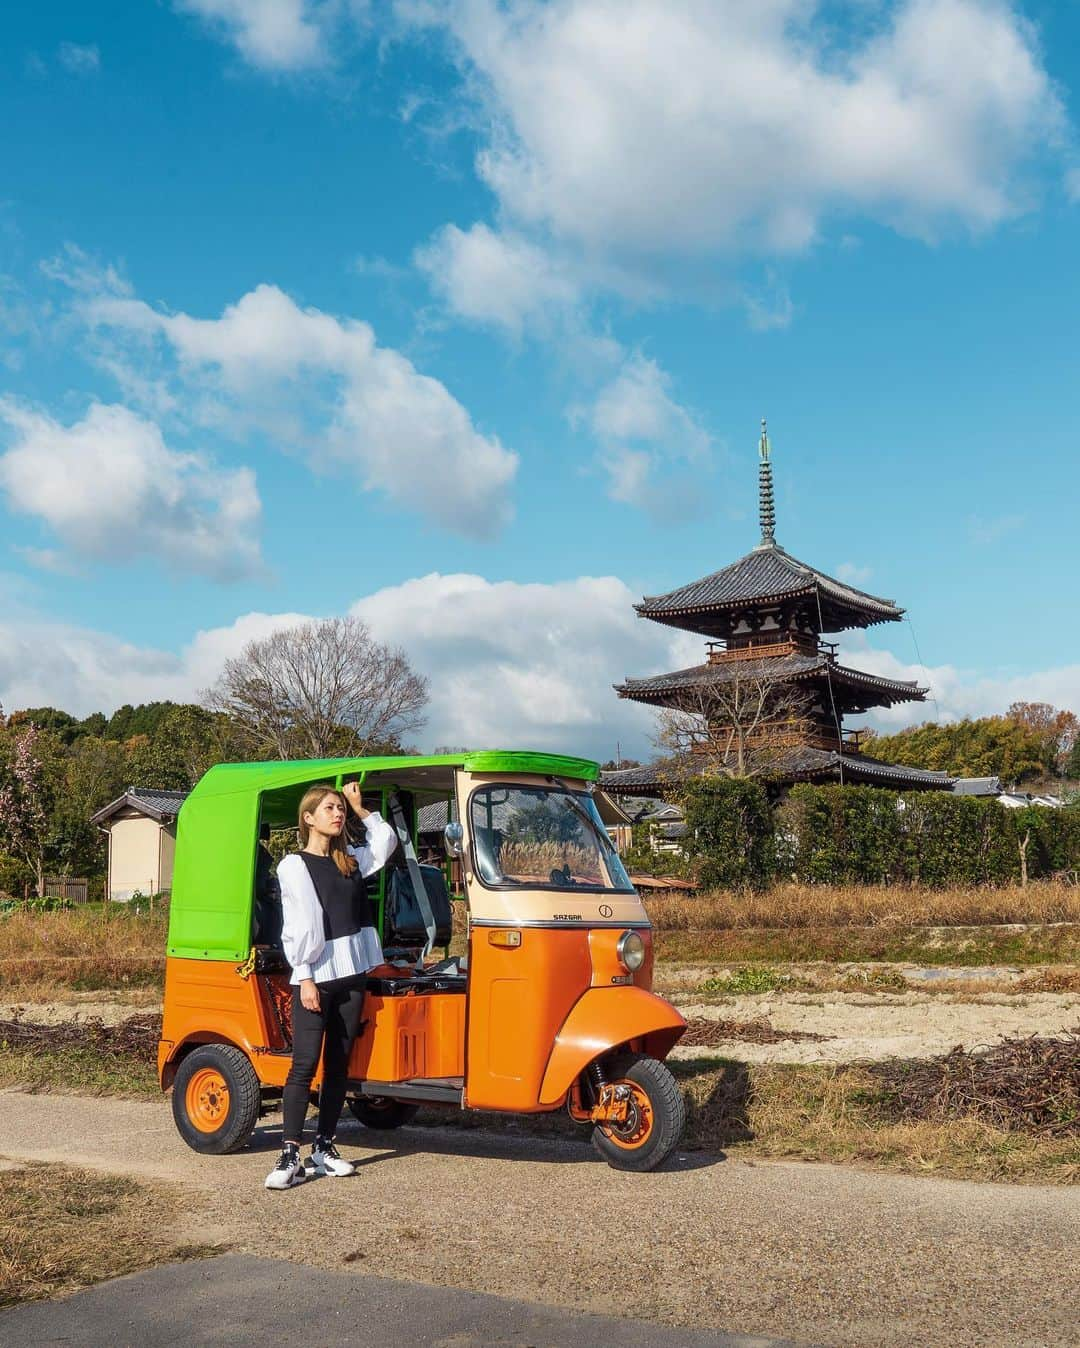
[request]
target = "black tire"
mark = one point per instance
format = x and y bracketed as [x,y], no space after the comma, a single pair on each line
[380,1112]
[238,1106]
[643,1143]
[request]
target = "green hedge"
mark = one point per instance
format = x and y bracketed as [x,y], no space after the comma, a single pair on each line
[862,834]
[730,832]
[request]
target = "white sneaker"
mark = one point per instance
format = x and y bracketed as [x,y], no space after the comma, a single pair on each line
[289,1170]
[327,1160]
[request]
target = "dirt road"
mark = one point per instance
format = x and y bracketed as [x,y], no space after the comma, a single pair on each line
[815,1253]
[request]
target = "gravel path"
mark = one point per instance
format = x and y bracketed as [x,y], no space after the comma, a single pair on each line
[819,1254]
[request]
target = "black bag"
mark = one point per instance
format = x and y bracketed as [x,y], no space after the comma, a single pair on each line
[404,921]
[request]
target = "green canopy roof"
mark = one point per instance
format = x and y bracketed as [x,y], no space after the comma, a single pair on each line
[217,829]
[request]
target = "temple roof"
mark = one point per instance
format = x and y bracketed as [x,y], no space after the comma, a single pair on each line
[785,668]
[768,574]
[804,764]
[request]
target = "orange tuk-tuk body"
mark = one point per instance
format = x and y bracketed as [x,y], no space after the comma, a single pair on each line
[549,1007]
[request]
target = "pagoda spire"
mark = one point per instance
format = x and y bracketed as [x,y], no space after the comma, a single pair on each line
[766,507]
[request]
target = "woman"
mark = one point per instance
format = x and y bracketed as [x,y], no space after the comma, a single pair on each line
[329,941]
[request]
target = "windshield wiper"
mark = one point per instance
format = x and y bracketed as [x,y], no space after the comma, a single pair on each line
[583,814]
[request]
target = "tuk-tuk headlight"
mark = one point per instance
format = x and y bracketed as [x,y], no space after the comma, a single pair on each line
[631,951]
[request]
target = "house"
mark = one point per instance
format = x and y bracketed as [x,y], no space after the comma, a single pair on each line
[984,787]
[141,828]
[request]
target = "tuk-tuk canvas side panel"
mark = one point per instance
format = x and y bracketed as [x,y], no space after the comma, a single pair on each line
[213,881]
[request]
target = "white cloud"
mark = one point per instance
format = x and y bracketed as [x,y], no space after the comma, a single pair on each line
[79,60]
[984,531]
[769,308]
[323,386]
[110,488]
[649,440]
[496,278]
[528,665]
[956,693]
[710,124]
[273,35]
[854,574]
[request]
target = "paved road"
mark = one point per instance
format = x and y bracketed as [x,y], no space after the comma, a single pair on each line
[237,1299]
[817,1254]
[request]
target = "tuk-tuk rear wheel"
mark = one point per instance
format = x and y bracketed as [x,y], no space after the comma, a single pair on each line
[215,1099]
[380,1112]
[656,1118]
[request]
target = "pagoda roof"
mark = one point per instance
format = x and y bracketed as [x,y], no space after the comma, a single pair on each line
[786,668]
[802,764]
[769,574]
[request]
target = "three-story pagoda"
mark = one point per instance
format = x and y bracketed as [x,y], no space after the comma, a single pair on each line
[765,618]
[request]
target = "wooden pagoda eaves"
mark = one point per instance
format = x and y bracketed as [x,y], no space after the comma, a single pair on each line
[805,763]
[766,576]
[858,690]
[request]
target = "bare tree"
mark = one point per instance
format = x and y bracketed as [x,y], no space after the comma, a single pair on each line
[744,725]
[321,689]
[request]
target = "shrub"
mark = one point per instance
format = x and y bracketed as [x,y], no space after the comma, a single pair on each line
[729,832]
[836,835]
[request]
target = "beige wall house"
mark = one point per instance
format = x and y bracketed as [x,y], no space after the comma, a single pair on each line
[141,827]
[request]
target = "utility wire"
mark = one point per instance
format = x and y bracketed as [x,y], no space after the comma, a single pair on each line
[918,656]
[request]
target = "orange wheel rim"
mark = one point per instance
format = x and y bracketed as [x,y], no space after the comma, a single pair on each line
[207,1099]
[637,1129]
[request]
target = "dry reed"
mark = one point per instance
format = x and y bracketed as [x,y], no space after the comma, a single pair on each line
[799,905]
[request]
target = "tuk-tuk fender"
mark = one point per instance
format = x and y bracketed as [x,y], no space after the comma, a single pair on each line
[170,1055]
[603,1019]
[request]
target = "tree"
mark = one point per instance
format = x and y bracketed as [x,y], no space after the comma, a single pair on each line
[1057,729]
[991,746]
[741,726]
[321,689]
[24,814]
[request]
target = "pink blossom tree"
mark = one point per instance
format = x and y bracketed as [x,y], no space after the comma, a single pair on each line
[23,816]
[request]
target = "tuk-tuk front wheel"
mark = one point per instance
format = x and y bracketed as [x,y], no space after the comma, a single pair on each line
[655,1118]
[380,1112]
[215,1099]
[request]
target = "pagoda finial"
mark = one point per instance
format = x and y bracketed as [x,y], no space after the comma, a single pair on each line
[766,508]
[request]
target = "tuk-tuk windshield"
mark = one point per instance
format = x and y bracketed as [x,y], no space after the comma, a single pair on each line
[543,839]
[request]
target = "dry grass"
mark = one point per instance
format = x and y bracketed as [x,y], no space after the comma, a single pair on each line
[964,947]
[63,1228]
[83,949]
[795,906]
[840,1114]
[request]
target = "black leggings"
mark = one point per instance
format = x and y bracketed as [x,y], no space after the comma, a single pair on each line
[330,1030]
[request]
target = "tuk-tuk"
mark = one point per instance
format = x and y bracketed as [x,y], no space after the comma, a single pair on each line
[550,1007]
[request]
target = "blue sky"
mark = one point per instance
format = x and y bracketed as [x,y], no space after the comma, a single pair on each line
[462,316]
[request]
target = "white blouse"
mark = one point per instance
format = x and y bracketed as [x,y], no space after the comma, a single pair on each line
[303,936]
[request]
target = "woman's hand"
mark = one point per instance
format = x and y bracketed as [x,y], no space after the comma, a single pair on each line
[351,792]
[309,996]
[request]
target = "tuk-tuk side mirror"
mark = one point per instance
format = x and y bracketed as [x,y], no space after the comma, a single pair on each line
[454,838]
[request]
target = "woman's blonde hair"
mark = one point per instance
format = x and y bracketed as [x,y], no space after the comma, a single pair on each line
[312,798]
